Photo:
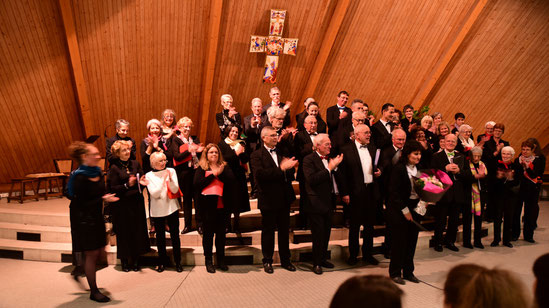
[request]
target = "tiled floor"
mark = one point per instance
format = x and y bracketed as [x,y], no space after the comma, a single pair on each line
[43,284]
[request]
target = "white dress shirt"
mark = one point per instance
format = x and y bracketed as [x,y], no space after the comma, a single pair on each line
[387,127]
[325,163]
[161,205]
[273,155]
[365,162]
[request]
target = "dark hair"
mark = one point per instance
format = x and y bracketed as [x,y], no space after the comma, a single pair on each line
[409,147]
[399,113]
[500,126]
[342,92]
[459,115]
[229,128]
[537,149]
[541,271]
[529,144]
[77,149]
[406,107]
[312,104]
[376,290]
[386,106]
[457,277]
[415,131]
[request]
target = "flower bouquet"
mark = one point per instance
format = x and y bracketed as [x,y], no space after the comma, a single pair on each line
[430,185]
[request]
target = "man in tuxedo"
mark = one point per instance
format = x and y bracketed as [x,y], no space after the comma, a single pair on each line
[381,130]
[344,134]
[276,117]
[453,163]
[300,117]
[389,157]
[252,129]
[303,146]
[321,189]
[337,112]
[359,189]
[274,93]
[274,174]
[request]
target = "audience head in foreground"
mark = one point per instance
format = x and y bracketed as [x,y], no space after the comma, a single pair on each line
[368,291]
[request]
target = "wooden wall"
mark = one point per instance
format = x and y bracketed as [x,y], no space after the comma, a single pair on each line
[140,56]
[38,115]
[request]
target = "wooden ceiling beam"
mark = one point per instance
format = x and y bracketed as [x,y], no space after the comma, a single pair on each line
[433,77]
[206,107]
[76,65]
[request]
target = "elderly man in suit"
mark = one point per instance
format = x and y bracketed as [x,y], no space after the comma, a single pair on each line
[275,95]
[359,188]
[321,189]
[253,124]
[274,175]
[453,163]
[336,113]
[381,130]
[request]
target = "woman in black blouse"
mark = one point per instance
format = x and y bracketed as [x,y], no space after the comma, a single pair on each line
[400,213]
[129,219]
[153,143]
[234,152]
[86,189]
[213,203]
[228,116]
[531,167]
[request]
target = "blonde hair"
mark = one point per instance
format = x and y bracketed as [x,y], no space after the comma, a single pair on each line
[226,96]
[427,118]
[156,157]
[204,163]
[184,120]
[118,145]
[443,123]
[153,121]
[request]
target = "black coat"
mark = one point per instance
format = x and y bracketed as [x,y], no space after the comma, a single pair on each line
[253,134]
[332,118]
[235,163]
[320,126]
[207,205]
[303,146]
[112,158]
[399,190]
[380,136]
[146,158]
[456,193]
[129,218]
[534,171]
[318,185]
[386,163]
[223,120]
[274,186]
[488,157]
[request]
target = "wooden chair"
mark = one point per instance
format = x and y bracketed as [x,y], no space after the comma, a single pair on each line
[22,183]
[63,165]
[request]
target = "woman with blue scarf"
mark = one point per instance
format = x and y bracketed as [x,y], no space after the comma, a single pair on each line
[86,189]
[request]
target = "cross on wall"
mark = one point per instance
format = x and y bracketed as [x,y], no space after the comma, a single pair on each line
[273,45]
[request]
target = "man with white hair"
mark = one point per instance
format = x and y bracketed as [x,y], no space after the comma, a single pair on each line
[253,124]
[321,189]
[275,95]
[276,117]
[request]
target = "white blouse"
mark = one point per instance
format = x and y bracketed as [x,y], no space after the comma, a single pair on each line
[160,204]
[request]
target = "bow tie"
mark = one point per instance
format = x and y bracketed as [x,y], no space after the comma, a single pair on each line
[323,157]
[340,108]
[364,146]
[451,154]
[313,134]
[388,123]
[272,150]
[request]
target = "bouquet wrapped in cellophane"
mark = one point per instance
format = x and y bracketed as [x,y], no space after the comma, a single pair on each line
[430,185]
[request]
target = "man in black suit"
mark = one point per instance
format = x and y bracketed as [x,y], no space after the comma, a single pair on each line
[453,163]
[276,117]
[122,128]
[337,112]
[252,129]
[321,189]
[274,174]
[274,93]
[389,157]
[344,134]
[381,130]
[300,117]
[359,188]
[303,146]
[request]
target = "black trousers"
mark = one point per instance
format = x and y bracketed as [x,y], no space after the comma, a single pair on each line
[443,212]
[214,223]
[404,235]
[271,220]
[303,199]
[505,208]
[160,224]
[321,227]
[530,200]
[469,217]
[185,179]
[363,213]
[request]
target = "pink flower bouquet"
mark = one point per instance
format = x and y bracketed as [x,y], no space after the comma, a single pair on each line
[431,184]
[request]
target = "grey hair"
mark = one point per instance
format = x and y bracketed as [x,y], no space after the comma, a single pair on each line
[320,138]
[358,114]
[121,122]
[490,123]
[155,157]
[273,88]
[256,99]
[267,129]
[153,121]
[273,111]
[226,96]
[309,117]
[476,150]
[464,127]
[510,149]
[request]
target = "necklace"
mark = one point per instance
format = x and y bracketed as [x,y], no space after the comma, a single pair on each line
[125,165]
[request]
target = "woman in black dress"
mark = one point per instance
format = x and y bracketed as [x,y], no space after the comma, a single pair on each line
[129,219]
[400,208]
[213,204]
[153,143]
[233,151]
[86,189]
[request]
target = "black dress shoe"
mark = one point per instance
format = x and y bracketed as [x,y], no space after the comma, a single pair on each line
[411,278]
[370,259]
[125,267]
[187,230]
[398,280]
[530,240]
[508,244]
[479,245]
[268,268]
[468,245]
[200,230]
[99,297]
[289,267]
[452,247]
[352,261]
[438,248]
[494,244]
[160,268]
[387,255]
[327,264]
[317,269]
[179,268]
[222,266]
[210,267]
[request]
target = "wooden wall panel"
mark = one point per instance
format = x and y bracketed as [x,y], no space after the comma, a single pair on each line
[141,57]
[239,72]
[38,115]
[387,48]
[501,73]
